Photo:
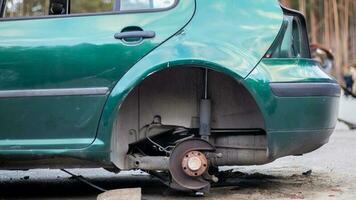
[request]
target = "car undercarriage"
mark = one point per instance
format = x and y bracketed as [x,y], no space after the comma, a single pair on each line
[180,123]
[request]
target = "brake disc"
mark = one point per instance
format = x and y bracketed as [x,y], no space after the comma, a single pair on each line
[188,163]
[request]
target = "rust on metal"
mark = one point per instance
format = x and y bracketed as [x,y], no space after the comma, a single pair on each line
[194,163]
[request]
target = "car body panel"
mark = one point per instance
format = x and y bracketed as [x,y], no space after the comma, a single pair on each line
[71,52]
[230,37]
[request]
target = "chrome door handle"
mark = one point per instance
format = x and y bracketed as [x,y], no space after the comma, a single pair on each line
[135,35]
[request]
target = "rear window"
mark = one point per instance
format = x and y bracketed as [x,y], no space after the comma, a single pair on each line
[33,8]
[292,41]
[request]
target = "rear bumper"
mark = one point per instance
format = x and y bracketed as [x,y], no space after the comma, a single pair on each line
[301,121]
[300,104]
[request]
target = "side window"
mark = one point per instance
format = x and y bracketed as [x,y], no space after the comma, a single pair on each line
[292,42]
[26,8]
[289,46]
[145,4]
[34,8]
[91,6]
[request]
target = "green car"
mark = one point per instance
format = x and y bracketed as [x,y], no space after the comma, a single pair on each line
[175,88]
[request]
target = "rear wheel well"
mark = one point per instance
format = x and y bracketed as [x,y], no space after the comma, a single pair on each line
[173,95]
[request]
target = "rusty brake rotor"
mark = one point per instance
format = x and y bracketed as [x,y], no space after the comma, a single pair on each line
[188,163]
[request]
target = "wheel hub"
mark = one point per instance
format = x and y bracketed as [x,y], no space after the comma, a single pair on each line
[194,163]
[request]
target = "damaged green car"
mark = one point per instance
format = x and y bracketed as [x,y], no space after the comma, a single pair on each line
[175,88]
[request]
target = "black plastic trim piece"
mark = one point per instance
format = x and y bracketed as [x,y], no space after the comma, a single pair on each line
[2,6]
[54,92]
[306,89]
[87,14]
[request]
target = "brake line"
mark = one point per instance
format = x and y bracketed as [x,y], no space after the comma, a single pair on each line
[84,180]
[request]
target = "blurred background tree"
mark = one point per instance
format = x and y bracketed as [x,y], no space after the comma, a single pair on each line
[332,24]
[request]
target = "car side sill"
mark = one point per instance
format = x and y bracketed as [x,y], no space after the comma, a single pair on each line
[54,92]
[305,89]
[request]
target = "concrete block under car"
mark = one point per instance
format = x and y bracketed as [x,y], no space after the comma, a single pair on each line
[121,194]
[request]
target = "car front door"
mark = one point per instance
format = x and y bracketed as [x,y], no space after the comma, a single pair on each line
[59,60]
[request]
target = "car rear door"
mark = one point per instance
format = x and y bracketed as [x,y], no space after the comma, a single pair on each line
[59,60]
